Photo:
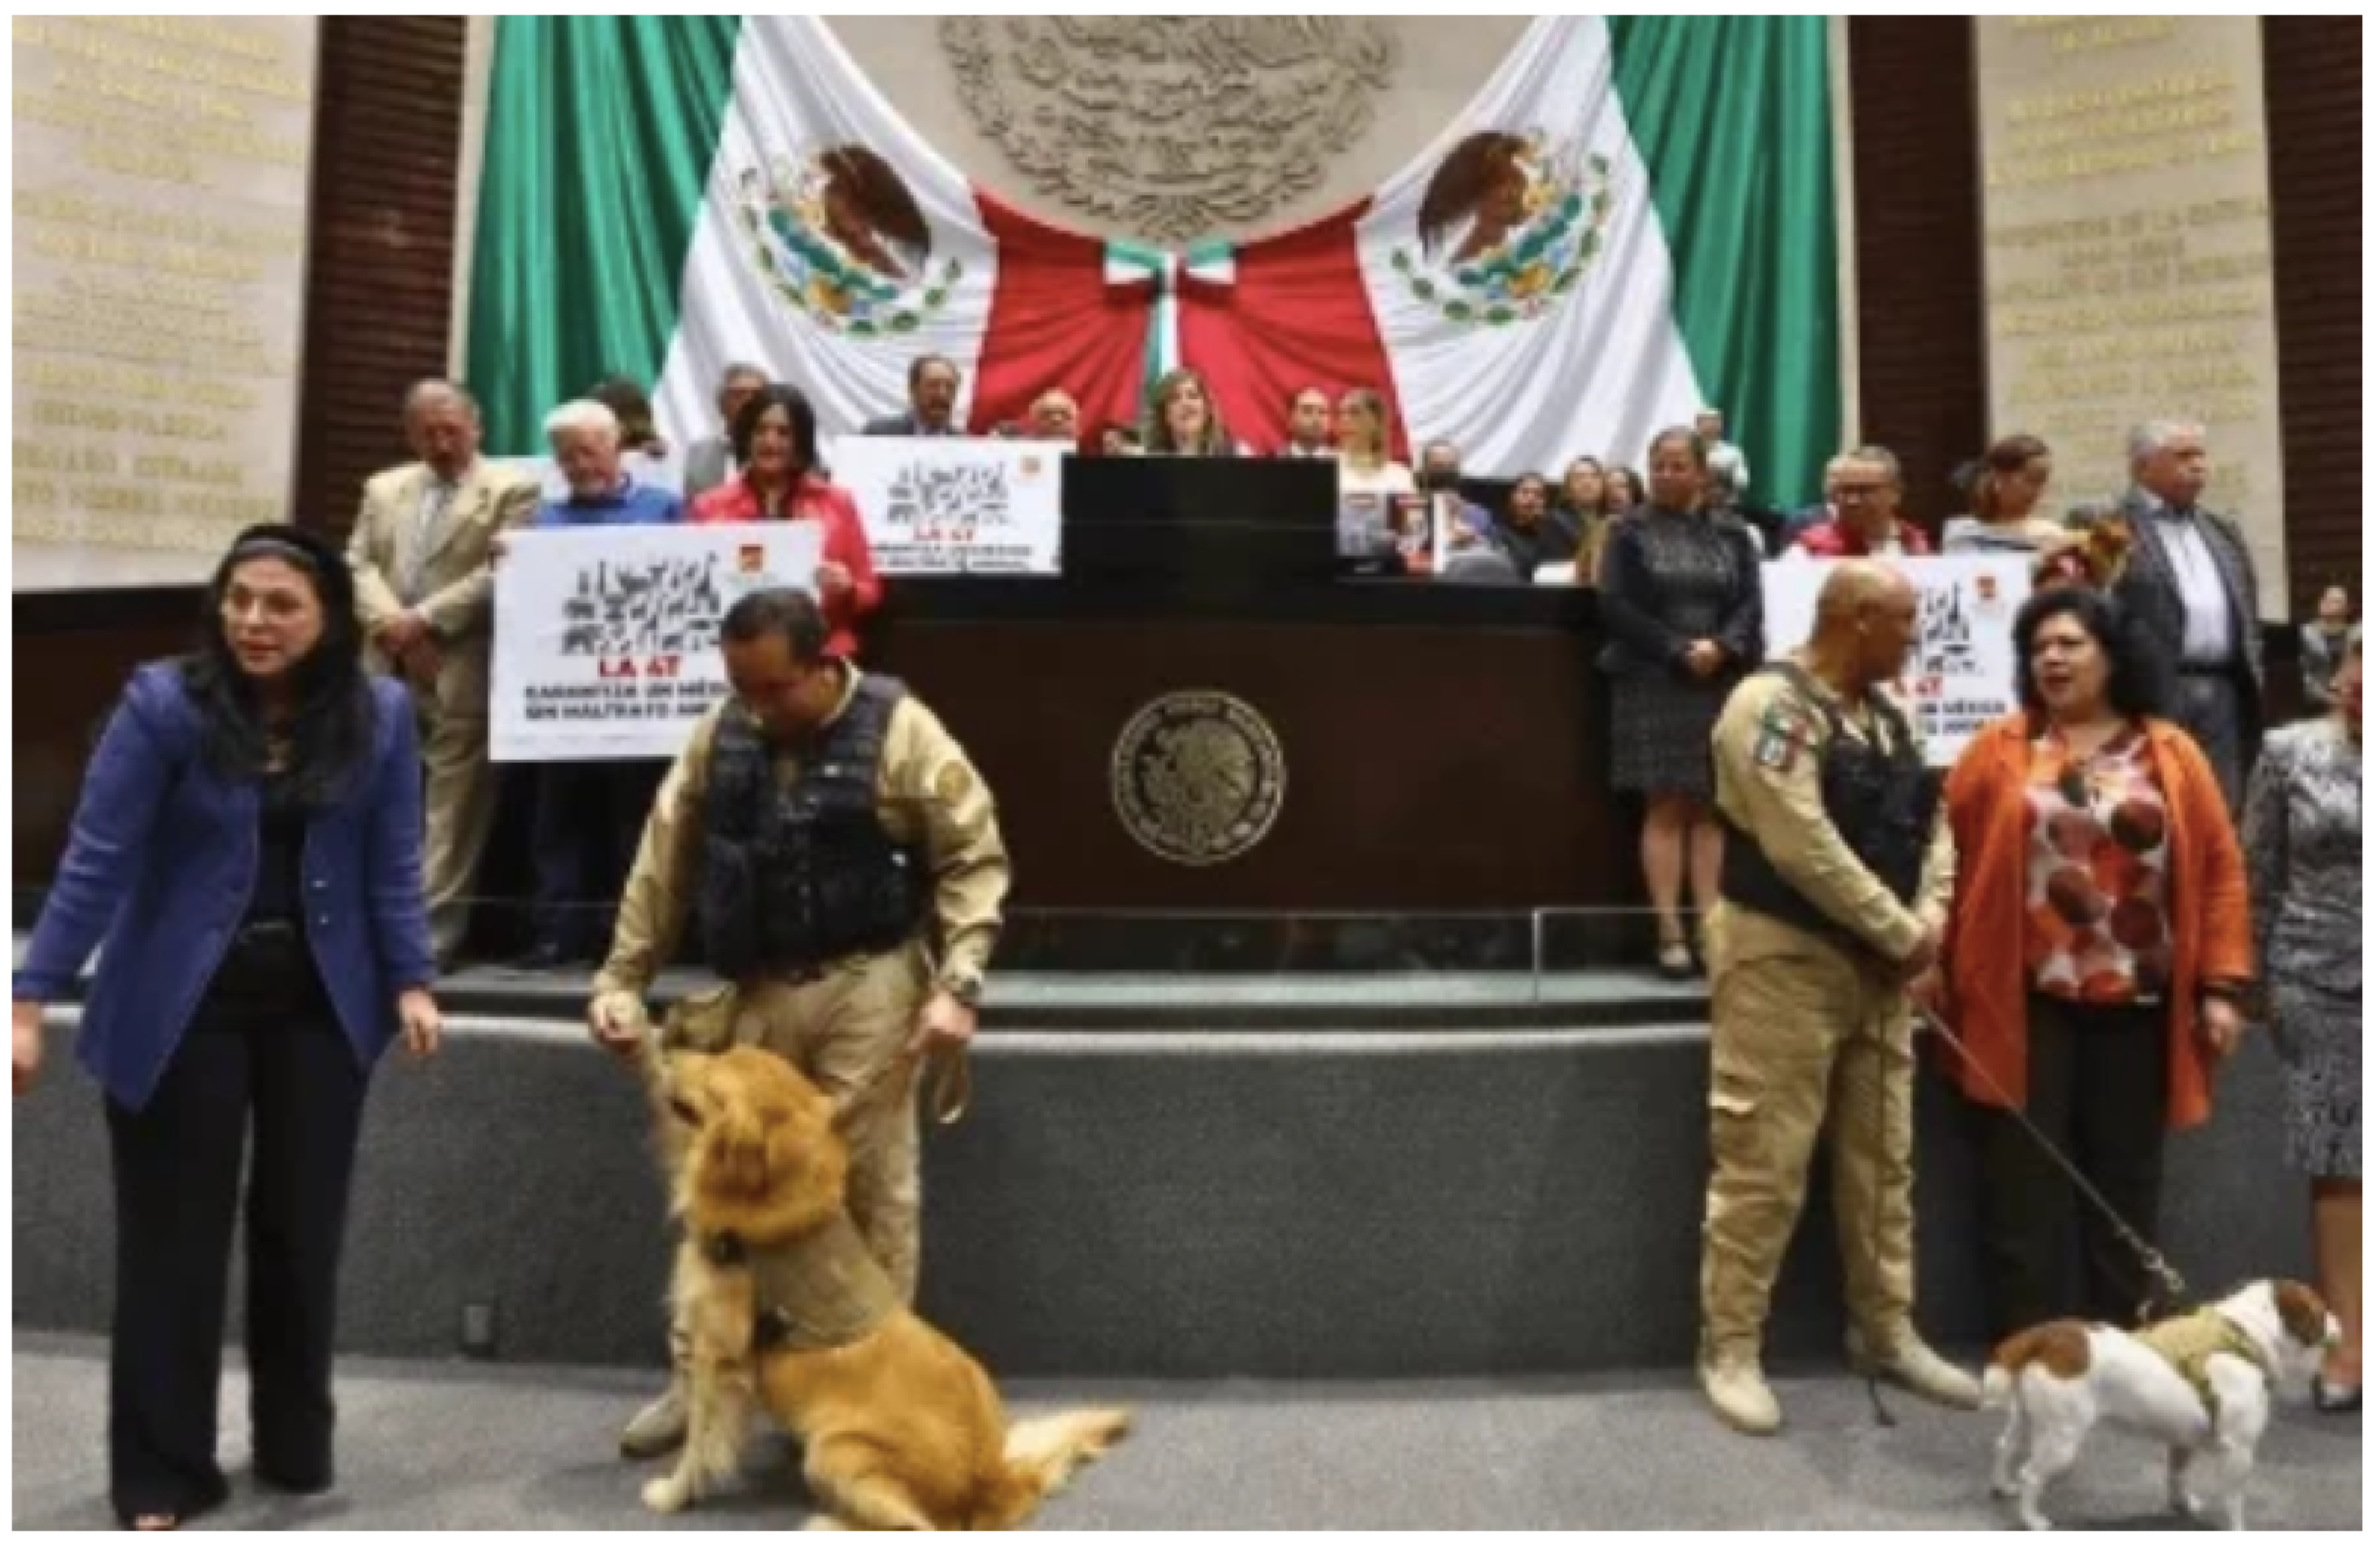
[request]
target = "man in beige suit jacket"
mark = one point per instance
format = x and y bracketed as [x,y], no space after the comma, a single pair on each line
[425,593]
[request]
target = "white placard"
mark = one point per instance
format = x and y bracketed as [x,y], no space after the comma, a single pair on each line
[956,507]
[1962,671]
[607,640]
[163,175]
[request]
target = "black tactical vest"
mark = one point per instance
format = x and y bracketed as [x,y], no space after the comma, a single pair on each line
[795,876]
[1883,800]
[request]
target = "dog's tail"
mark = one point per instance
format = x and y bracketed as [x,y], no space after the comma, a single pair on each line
[2062,1347]
[1041,1456]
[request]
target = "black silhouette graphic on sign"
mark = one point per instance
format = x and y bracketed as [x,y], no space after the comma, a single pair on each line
[648,608]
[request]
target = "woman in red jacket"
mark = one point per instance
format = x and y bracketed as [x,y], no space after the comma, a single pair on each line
[775,441]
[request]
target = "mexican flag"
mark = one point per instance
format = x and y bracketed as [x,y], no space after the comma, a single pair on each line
[1633,220]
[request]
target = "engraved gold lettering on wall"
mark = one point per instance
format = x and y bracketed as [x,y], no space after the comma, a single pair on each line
[1172,128]
[2129,255]
[160,219]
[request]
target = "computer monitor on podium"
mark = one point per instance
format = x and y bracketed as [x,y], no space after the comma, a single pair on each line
[1203,524]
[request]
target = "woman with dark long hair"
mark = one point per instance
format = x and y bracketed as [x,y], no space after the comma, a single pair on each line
[775,440]
[248,851]
[2098,952]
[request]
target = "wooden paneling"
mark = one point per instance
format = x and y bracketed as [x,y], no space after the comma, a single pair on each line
[389,121]
[2313,88]
[1430,769]
[1923,391]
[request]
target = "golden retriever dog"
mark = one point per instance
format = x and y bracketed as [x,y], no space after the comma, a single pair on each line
[788,1313]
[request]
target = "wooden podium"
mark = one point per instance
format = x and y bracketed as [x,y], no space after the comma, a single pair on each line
[1203,715]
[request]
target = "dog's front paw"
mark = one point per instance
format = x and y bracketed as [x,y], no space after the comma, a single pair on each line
[669,1495]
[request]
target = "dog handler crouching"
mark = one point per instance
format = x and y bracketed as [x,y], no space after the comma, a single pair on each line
[847,860]
[1838,879]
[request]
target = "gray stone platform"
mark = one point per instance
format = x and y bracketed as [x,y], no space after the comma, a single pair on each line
[451,1448]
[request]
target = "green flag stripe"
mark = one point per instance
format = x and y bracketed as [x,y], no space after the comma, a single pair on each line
[1732,115]
[601,131]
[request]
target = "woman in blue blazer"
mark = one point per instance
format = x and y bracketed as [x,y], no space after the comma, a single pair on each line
[248,849]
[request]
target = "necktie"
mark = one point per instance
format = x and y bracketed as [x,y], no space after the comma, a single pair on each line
[434,505]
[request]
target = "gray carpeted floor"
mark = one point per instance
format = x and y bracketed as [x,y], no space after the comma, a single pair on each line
[475,1448]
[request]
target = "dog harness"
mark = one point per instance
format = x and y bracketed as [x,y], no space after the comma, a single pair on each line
[2191,1343]
[819,1293]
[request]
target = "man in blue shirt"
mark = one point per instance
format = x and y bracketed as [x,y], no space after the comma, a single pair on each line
[590,814]
[585,437]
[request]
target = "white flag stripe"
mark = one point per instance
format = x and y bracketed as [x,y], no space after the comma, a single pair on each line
[797,94]
[1605,368]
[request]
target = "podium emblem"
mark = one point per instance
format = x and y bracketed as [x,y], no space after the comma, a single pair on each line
[1198,777]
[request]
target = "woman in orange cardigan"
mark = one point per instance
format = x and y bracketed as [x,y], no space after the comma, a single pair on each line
[775,441]
[2098,949]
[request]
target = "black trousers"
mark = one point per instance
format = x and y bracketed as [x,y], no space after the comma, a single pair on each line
[590,819]
[285,1072]
[2098,1080]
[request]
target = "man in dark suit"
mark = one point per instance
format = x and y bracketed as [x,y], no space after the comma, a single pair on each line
[711,463]
[2192,584]
[933,404]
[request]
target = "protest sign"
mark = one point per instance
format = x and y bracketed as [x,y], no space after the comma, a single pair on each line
[956,507]
[607,639]
[1962,671]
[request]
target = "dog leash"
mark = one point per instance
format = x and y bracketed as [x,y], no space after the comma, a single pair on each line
[2161,1271]
[950,1080]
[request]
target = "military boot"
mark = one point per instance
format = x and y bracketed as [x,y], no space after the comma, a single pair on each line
[1738,1392]
[1918,1370]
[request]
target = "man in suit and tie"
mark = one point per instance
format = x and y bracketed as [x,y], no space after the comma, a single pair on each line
[425,594]
[2191,582]
[1309,427]
[709,464]
[933,404]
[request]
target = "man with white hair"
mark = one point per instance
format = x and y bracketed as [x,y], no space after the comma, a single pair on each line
[2191,584]
[589,814]
[584,439]
[425,596]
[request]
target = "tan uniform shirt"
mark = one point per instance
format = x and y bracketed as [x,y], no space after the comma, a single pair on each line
[929,795]
[1770,747]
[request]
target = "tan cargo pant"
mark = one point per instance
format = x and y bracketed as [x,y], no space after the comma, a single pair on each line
[1806,1037]
[845,1029]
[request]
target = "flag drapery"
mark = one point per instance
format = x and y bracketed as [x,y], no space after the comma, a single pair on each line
[1633,220]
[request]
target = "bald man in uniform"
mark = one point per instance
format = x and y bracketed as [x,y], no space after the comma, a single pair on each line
[1837,886]
[852,876]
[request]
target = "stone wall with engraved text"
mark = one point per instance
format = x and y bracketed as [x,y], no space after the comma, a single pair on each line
[160,237]
[2127,237]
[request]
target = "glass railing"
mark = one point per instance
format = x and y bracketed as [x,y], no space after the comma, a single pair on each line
[1553,959]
